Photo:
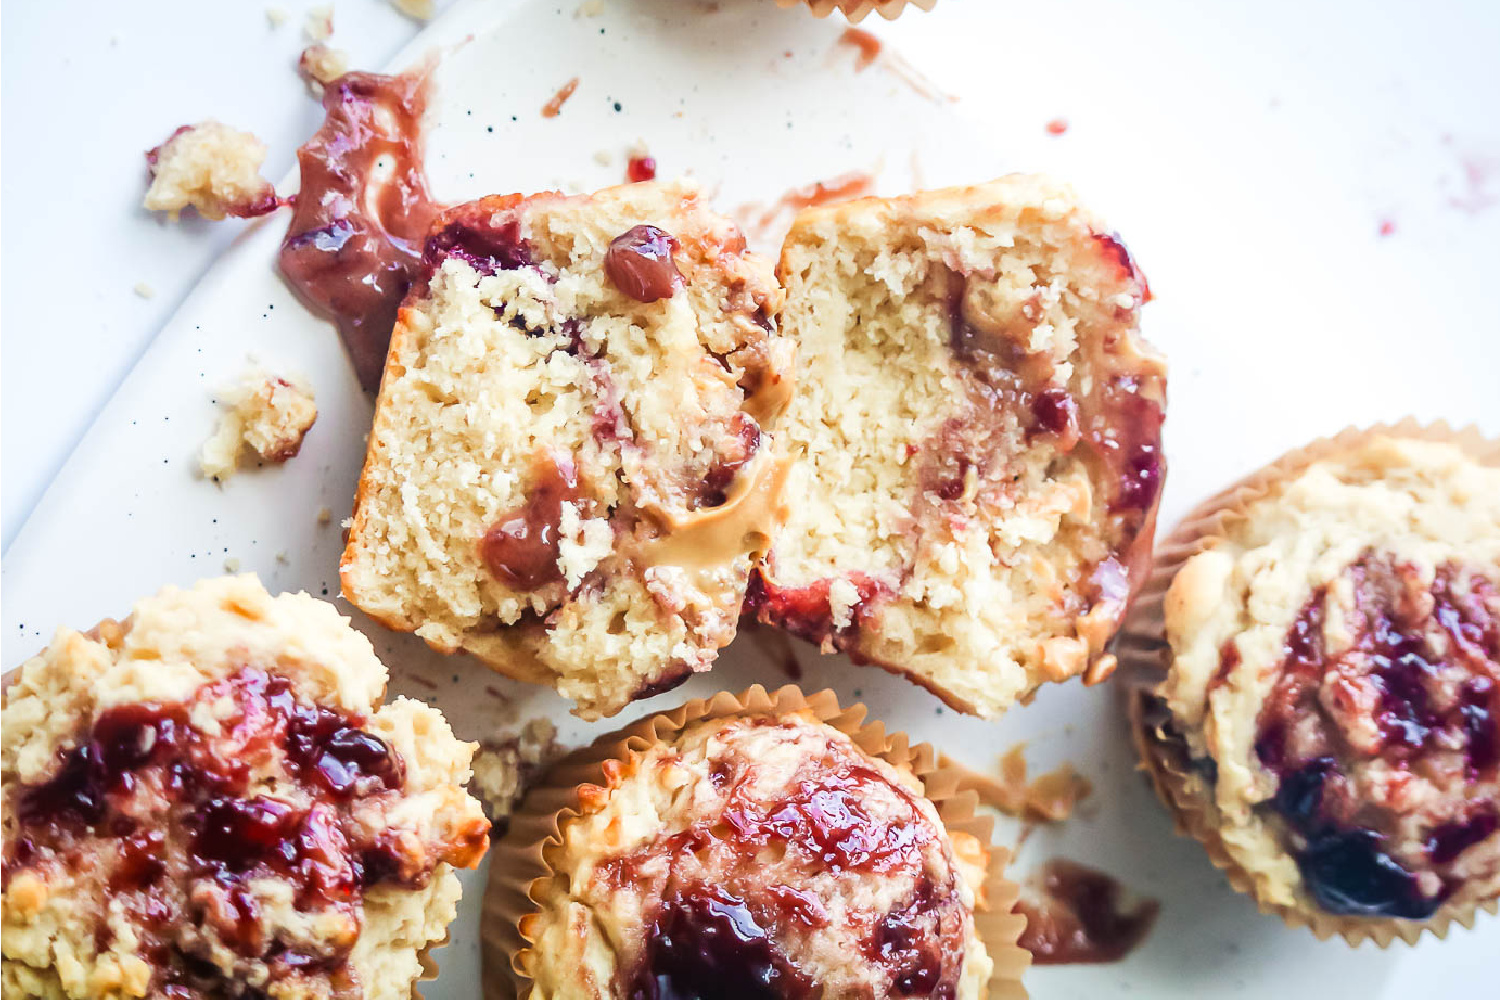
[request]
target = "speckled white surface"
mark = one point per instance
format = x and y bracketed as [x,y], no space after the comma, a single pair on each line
[1249,155]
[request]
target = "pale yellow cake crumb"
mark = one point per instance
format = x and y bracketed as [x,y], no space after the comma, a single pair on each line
[322,64]
[210,167]
[420,9]
[266,415]
[318,27]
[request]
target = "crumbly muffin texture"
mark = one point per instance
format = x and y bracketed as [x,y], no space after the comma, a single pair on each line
[264,415]
[570,471]
[205,801]
[1336,676]
[975,439]
[210,167]
[758,849]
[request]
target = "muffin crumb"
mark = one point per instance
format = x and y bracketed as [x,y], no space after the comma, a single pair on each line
[505,767]
[421,10]
[266,415]
[321,64]
[212,168]
[318,26]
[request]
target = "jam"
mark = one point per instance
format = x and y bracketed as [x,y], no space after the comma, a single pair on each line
[744,442]
[806,611]
[1079,919]
[521,548]
[639,263]
[354,245]
[1383,700]
[918,943]
[488,248]
[209,836]
[640,169]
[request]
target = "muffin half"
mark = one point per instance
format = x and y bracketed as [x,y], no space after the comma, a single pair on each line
[975,439]
[570,471]
[1328,720]
[208,800]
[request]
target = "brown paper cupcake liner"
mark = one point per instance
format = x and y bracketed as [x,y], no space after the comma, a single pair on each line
[1145,657]
[858,10]
[519,870]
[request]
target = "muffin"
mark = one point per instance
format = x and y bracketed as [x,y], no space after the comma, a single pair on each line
[206,800]
[570,471]
[975,440]
[1327,722]
[858,10]
[760,847]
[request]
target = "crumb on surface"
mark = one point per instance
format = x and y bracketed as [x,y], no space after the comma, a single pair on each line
[322,64]
[554,105]
[591,8]
[504,767]
[231,565]
[419,9]
[276,16]
[144,290]
[266,415]
[319,23]
[212,168]
[325,515]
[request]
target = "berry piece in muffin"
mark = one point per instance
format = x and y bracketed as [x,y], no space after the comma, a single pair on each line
[1334,684]
[758,856]
[975,439]
[208,800]
[571,466]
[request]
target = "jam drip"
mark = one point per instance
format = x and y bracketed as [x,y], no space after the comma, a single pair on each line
[521,549]
[1078,917]
[354,245]
[190,834]
[1414,696]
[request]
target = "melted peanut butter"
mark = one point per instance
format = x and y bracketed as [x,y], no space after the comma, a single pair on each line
[712,537]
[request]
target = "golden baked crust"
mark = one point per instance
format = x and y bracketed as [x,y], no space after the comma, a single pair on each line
[1335,683]
[831,867]
[570,471]
[975,439]
[206,797]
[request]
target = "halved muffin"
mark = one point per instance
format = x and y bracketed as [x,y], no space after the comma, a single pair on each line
[570,470]
[975,441]
[208,800]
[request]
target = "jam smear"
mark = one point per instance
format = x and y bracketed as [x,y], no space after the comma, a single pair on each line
[705,944]
[919,943]
[1349,873]
[639,263]
[1452,839]
[806,611]
[555,103]
[868,45]
[488,248]
[1078,918]
[521,548]
[354,245]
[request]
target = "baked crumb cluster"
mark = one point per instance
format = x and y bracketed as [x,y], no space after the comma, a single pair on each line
[321,64]
[504,768]
[204,800]
[764,851]
[212,168]
[975,439]
[1336,672]
[265,415]
[595,380]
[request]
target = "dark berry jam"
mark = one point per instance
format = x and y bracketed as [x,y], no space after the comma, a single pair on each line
[640,168]
[1337,721]
[521,549]
[1079,918]
[919,943]
[168,813]
[354,244]
[806,611]
[639,263]
[1115,250]
[743,443]
[705,944]
[488,248]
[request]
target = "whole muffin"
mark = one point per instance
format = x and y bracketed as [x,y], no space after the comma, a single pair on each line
[207,800]
[762,854]
[570,470]
[1328,723]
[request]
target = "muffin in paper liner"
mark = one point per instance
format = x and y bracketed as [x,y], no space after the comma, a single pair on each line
[1145,657]
[519,870]
[858,10]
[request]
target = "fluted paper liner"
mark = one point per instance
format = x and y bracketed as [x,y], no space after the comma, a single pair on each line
[857,10]
[518,868]
[1145,657]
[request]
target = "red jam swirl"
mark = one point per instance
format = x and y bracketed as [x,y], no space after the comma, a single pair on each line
[354,245]
[1416,693]
[1079,918]
[169,811]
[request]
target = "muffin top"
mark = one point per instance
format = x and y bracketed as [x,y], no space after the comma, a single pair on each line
[1336,671]
[758,856]
[205,798]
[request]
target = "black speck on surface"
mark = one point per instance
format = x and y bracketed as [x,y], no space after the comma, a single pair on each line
[489,128]
[514,118]
[617,106]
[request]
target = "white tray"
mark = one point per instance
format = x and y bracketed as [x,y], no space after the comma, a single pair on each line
[1283,317]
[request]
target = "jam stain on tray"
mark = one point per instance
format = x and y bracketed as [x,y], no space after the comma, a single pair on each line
[640,168]
[1078,918]
[868,45]
[354,245]
[555,103]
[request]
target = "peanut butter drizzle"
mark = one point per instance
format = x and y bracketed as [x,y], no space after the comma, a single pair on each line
[1048,798]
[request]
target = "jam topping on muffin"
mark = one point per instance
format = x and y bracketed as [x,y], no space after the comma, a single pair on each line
[763,857]
[1381,732]
[237,839]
